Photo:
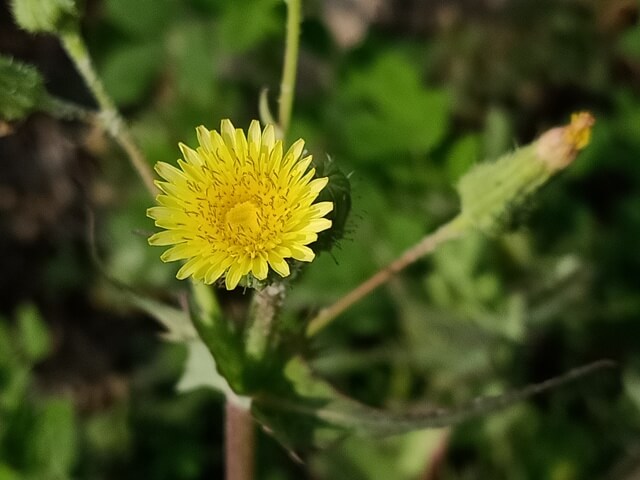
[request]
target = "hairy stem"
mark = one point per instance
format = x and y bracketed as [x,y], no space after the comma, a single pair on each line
[265,305]
[109,115]
[240,441]
[428,244]
[289,70]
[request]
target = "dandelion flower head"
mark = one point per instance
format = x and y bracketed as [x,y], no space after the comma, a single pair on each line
[238,205]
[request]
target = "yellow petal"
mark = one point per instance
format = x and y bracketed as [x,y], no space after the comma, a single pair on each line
[302,253]
[179,252]
[188,268]
[279,265]
[268,137]
[233,277]
[319,224]
[260,268]
[320,209]
[254,140]
[169,172]
[204,138]
[242,149]
[228,133]
[190,155]
[316,186]
[167,237]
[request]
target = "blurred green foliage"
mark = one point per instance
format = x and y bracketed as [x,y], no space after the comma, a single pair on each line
[405,112]
[37,436]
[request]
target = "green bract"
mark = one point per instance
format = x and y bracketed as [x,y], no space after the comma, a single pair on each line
[48,16]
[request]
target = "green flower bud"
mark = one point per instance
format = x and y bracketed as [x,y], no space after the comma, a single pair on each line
[491,192]
[337,191]
[48,16]
[21,89]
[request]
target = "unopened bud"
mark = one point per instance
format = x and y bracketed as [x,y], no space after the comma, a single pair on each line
[559,147]
[44,16]
[491,192]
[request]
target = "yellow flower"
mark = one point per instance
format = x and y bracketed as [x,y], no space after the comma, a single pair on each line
[238,205]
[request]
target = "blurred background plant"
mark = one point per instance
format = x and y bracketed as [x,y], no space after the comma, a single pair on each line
[406,96]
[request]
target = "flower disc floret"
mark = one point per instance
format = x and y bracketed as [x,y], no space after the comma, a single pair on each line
[238,205]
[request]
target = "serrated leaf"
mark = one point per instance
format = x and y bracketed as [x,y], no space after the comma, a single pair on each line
[302,410]
[21,89]
[222,340]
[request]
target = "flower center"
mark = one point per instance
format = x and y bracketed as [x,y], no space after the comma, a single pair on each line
[243,216]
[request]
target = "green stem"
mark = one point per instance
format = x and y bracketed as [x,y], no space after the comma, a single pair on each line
[454,229]
[289,70]
[109,115]
[265,305]
[64,110]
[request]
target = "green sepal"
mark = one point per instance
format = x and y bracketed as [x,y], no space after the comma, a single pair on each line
[21,89]
[44,16]
[337,191]
[492,192]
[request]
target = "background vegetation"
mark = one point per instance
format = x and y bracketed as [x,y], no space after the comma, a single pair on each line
[405,97]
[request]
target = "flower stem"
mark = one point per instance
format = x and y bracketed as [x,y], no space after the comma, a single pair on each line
[264,308]
[454,229]
[109,115]
[289,70]
[240,441]
[64,110]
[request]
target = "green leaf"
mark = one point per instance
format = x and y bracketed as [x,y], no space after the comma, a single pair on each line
[52,446]
[402,457]
[44,15]
[302,410]
[629,43]
[244,24]
[200,371]
[6,473]
[21,89]
[129,71]
[32,333]
[177,322]
[218,334]
[389,111]
[141,18]
[195,68]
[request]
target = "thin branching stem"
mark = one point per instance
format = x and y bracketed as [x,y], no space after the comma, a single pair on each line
[428,244]
[290,67]
[109,116]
